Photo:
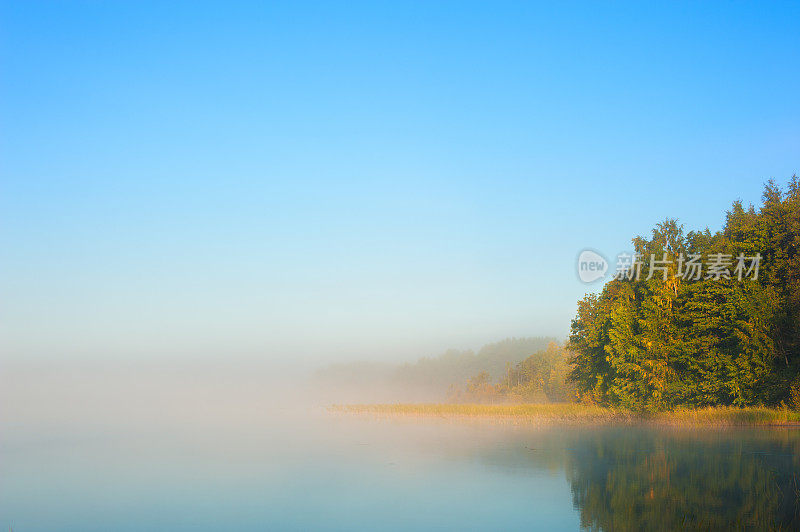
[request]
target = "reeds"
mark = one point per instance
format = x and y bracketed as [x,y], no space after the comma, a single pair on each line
[570,413]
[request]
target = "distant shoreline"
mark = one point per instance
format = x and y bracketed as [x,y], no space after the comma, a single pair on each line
[576,414]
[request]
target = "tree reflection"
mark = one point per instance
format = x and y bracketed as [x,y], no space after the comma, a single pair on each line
[643,480]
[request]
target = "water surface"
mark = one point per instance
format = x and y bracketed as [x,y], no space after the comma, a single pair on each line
[176,451]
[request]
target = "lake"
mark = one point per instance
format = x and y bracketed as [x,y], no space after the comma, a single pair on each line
[170,451]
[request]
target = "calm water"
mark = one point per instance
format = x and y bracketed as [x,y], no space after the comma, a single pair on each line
[189,453]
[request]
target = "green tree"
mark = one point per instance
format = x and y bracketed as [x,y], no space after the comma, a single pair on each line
[663,340]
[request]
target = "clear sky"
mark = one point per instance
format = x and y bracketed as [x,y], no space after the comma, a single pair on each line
[332,181]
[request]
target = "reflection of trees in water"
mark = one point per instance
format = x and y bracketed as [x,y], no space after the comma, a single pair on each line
[643,479]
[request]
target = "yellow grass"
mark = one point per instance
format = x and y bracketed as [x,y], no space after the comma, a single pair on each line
[579,414]
[727,415]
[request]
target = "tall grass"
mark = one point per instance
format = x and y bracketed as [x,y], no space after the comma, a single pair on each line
[728,415]
[581,414]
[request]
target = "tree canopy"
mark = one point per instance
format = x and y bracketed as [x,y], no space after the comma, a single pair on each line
[695,340]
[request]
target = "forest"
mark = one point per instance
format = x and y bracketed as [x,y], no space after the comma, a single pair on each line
[429,378]
[705,339]
[693,319]
[542,377]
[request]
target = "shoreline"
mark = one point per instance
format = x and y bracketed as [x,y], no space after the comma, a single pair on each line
[576,414]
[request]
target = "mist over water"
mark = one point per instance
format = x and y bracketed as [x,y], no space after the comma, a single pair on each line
[241,447]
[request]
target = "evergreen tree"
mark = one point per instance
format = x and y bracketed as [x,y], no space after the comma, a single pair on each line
[668,339]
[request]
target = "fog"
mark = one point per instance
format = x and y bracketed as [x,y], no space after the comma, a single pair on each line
[91,446]
[239,446]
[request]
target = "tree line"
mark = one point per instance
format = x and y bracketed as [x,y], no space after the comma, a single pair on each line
[673,340]
[539,378]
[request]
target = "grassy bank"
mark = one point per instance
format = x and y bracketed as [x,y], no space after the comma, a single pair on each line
[580,414]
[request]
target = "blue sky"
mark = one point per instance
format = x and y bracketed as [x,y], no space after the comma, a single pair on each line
[314,182]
